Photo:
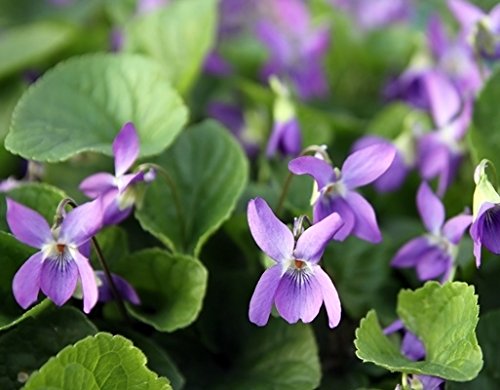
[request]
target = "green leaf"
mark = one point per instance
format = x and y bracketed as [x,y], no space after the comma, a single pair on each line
[207,172]
[98,362]
[277,357]
[171,287]
[28,45]
[484,136]
[178,36]
[444,317]
[81,104]
[28,346]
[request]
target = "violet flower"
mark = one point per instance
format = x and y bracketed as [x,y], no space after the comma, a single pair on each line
[414,349]
[118,190]
[485,228]
[433,254]
[125,289]
[440,152]
[296,284]
[296,49]
[58,265]
[336,188]
[480,28]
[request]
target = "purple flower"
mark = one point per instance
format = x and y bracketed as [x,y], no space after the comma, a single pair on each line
[216,65]
[403,161]
[117,191]
[440,152]
[336,188]
[125,289]
[409,87]
[433,254]
[414,349]
[485,228]
[477,26]
[296,49]
[59,264]
[285,138]
[296,284]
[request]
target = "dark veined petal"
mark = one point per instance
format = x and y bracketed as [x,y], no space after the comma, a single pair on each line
[490,228]
[366,165]
[476,230]
[270,234]
[366,226]
[298,297]
[26,282]
[330,296]
[27,225]
[320,170]
[81,223]
[262,299]
[97,184]
[312,242]
[88,280]
[58,278]
[430,208]
[125,148]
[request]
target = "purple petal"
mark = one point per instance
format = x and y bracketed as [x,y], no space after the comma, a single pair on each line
[476,230]
[326,206]
[394,177]
[430,382]
[410,253]
[454,229]
[394,327]
[27,225]
[366,165]
[263,297]
[366,226]
[97,184]
[270,234]
[279,47]
[309,78]
[412,347]
[432,263]
[26,282]
[489,228]
[125,289]
[285,138]
[113,214]
[436,36]
[320,170]
[127,180]
[466,13]
[216,65]
[430,208]
[433,156]
[448,173]
[312,242]
[125,148]
[299,296]
[317,43]
[58,278]
[330,296]
[87,278]
[444,98]
[81,223]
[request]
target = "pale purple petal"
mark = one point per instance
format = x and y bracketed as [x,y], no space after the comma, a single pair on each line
[444,98]
[393,327]
[112,213]
[448,173]
[270,234]
[366,226]
[279,47]
[320,170]
[87,278]
[97,184]
[312,242]
[26,282]
[412,347]
[58,279]
[125,289]
[127,180]
[455,227]
[466,13]
[410,253]
[27,225]
[433,156]
[366,165]
[430,382]
[262,299]
[394,177]
[430,208]
[299,296]
[325,206]
[125,148]
[317,43]
[436,36]
[285,138]
[330,296]
[432,264]
[81,223]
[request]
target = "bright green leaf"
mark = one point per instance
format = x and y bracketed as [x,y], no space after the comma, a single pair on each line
[171,287]
[178,36]
[98,362]
[81,105]
[444,317]
[27,45]
[207,172]
[28,346]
